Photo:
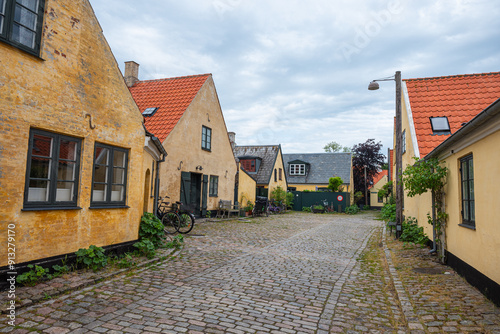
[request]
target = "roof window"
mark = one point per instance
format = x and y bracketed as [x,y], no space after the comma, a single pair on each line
[148,112]
[440,125]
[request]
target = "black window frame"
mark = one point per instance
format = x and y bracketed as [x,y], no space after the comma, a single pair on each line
[403,140]
[8,18]
[206,138]
[108,202]
[52,179]
[214,186]
[467,191]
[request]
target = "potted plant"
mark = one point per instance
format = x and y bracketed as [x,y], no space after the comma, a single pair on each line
[248,208]
[318,209]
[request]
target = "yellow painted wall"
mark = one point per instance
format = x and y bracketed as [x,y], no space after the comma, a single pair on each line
[184,144]
[480,248]
[374,192]
[246,188]
[274,183]
[76,75]
[149,170]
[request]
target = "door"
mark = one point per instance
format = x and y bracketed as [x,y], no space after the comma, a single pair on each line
[191,192]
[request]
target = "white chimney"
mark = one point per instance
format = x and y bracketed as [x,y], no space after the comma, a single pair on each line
[232,139]
[131,73]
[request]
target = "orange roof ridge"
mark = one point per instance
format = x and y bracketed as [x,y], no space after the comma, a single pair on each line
[453,76]
[175,78]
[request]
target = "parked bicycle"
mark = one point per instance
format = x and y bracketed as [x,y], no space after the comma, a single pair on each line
[173,218]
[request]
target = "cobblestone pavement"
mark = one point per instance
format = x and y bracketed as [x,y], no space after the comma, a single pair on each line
[293,273]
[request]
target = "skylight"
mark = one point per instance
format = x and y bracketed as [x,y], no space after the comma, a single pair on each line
[440,125]
[149,111]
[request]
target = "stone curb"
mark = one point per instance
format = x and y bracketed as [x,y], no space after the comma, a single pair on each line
[81,285]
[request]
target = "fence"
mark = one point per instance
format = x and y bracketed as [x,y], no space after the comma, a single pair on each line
[337,201]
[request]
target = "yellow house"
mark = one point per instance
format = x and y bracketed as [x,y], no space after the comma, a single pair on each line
[449,118]
[185,115]
[261,168]
[71,136]
[379,181]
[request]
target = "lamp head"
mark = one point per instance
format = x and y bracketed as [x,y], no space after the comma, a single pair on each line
[373,85]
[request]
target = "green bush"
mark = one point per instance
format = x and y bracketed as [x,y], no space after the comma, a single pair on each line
[289,200]
[366,207]
[91,258]
[412,232]
[318,207]
[389,212]
[151,228]
[306,209]
[146,247]
[176,242]
[352,210]
[33,276]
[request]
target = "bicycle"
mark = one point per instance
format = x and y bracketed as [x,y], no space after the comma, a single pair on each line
[173,218]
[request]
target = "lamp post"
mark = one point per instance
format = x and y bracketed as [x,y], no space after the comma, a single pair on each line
[399,157]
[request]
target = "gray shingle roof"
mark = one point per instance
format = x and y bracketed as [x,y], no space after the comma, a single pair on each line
[268,154]
[322,167]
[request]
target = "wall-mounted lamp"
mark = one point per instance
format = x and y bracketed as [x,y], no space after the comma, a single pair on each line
[180,165]
[199,167]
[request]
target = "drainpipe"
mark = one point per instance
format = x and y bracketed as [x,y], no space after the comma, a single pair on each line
[434,247]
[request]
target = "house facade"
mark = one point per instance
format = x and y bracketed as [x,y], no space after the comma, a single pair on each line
[312,171]
[439,120]
[379,181]
[262,165]
[72,139]
[184,113]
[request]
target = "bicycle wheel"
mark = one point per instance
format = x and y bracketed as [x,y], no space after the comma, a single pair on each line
[170,221]
[186,222]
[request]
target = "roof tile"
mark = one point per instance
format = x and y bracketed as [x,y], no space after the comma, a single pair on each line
[172,96]
[458,97]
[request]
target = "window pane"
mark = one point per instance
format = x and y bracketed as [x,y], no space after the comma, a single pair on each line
[471,170]
[471,190]
[472,211]
[99,193]
[25,18]
[42,146]
[66,171]
[100,174]
[2,6]
[117,193]
[119,159]
[31,4]
[1,24]
[67,150]
[466,210]
[64,191]
[465,193]
[118,175]
[40,168]
[101,156]
[38,191]
[23,36]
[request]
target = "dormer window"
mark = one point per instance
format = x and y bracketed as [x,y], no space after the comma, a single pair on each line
[148,112]
[297,169]
[248,165]
[440,125]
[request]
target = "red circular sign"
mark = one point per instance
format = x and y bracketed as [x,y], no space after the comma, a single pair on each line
[340,198]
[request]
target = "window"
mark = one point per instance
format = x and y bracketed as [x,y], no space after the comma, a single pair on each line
[148,112]
[21,23]
[248,165]
[467,178]
[52,171]
[380,199]
[206,138]
[110,176]
[275,175]
[214,186]
[296,169]
[440,125]
[403,142]
[280,174]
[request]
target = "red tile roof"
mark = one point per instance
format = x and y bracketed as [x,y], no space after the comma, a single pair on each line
[391,164]
[378,177]
[458,97]
[171,96]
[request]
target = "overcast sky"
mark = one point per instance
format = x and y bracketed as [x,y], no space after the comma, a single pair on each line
[296,73]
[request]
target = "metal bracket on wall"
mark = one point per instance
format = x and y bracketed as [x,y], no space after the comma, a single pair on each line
[180,166]
[90,121]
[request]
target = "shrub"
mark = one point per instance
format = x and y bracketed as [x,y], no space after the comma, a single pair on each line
[352,210]
[412,232]
[289,200]
[306,209]
[146,247]
[366,207]
[33,276]
[389,212]
[151,228]
[91,258]
[318,207]
[176,242]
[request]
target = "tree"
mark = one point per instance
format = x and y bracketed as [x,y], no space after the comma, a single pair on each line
[332,147]
[367,155]
[335,183]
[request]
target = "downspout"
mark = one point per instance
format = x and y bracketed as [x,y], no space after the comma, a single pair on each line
[157,185]
[434,247]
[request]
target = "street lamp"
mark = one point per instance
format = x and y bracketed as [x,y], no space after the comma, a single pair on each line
[399,154]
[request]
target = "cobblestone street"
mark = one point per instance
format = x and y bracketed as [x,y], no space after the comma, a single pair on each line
[292,273]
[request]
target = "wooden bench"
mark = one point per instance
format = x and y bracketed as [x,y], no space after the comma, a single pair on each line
[225,208]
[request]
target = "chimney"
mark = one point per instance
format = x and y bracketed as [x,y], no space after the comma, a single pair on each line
[232,139]
[131,73]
